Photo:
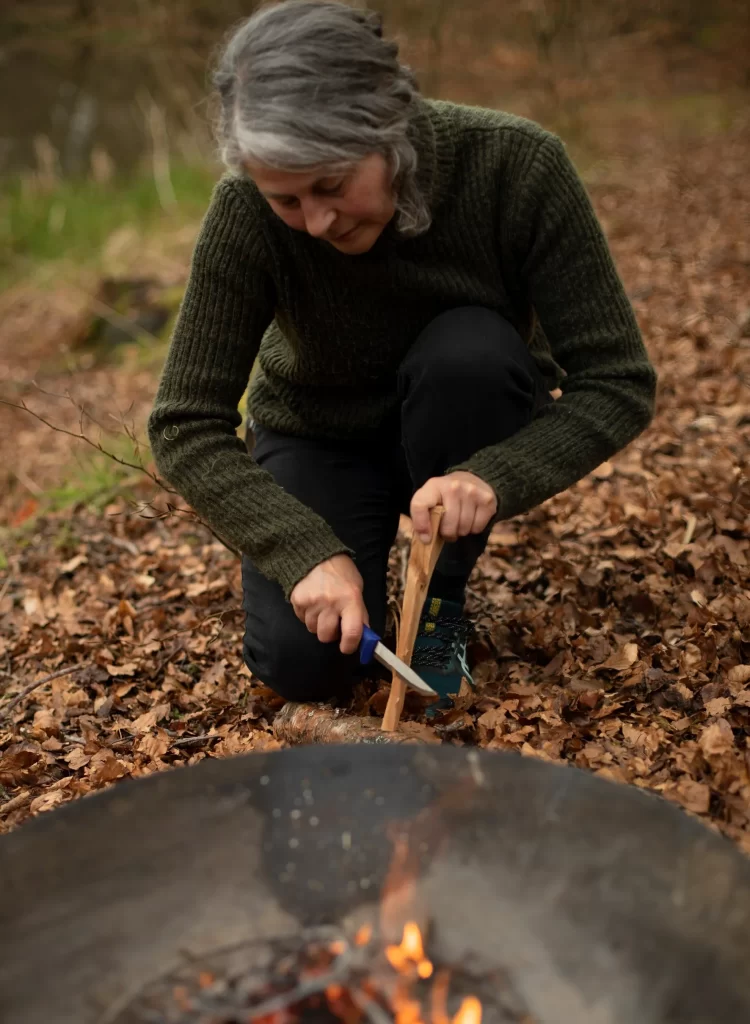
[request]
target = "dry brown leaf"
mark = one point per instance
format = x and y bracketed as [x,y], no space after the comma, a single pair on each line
[739,674]
[148,719]
[105,767]
[127,668]
[72,564]
[77,759]
[695,796]
[491,721]
[46,801]
[718,706]
[717,738]
[17,762]
[622,659]
[154,745]
[420,731]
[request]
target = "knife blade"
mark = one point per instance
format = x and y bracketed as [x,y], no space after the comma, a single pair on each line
[371,647]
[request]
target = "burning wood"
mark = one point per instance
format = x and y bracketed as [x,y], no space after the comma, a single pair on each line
[339,981]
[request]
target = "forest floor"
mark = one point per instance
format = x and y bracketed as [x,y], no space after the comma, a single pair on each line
[613,622]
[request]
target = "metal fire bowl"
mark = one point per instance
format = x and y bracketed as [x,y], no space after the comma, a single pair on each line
[605,905]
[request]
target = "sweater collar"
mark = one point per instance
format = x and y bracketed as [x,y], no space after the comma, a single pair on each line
[428,133]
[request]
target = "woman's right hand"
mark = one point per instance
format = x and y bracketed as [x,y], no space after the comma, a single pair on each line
[329,602]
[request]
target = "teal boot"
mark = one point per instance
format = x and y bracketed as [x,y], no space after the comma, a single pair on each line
[440,651]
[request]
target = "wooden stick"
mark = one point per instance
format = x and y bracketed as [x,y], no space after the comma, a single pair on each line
[422,559]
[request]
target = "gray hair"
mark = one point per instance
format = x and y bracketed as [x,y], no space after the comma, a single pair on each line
[307,84]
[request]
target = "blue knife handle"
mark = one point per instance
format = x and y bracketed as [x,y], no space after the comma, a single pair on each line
[369,642]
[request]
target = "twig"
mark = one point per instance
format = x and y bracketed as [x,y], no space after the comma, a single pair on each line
[28,483]
[5,713]
[122,742]
[6,585]
[80,436]
[167,658]
[689,529]
[307,987]
[369,1007]
[188,741]
[126,545]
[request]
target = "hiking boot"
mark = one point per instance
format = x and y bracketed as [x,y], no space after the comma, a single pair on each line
[440,651]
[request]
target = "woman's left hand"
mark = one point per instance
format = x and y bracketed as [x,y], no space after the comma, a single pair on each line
[469,504]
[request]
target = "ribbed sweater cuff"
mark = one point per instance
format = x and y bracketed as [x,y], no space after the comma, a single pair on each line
[302,552]
[510,489]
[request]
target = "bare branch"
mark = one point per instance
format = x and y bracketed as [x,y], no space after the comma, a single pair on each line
[80,436]
[39,682]
[139,467]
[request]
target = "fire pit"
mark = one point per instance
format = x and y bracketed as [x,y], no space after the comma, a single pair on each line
[371,884]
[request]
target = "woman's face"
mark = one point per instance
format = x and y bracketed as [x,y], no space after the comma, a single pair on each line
[347,209]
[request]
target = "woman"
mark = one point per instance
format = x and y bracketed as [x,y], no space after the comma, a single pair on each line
[414,277]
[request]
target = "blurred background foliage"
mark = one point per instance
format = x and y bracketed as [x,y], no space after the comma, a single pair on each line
[94,80]
[106,116]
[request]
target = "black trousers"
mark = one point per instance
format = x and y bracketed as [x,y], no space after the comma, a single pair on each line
[467,382]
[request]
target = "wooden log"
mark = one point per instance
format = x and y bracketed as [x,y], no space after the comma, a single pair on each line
[319,723]
[422,560]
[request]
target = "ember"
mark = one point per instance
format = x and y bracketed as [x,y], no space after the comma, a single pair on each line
[327,980]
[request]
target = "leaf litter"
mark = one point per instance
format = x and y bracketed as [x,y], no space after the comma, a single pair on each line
[612,623]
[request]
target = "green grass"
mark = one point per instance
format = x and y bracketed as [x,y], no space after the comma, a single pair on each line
[95,481]
[73,219]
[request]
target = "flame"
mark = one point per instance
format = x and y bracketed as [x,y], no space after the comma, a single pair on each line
[469,1012]
[409,1012]
[439,998]
[363,936]
[409,955]
[407,958]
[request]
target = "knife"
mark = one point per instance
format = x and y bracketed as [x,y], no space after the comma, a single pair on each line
[371,647]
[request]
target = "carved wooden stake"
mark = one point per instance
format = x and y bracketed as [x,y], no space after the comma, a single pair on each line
[422,559]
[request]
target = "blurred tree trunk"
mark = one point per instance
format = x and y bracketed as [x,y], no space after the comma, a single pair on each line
[83,107]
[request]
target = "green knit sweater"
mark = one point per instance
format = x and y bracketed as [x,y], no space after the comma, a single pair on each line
[513,229]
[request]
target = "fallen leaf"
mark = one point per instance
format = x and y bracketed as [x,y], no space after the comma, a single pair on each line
[105,767]
[717,738]
[695,796]
[16,764]
[622,659]
[154,745]
[77,759]
[46,801]
[718,706]
[127,668]
[420,731]
[73,564]
[149,719]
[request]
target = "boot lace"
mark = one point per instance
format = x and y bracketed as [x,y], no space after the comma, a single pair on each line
[452,634]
